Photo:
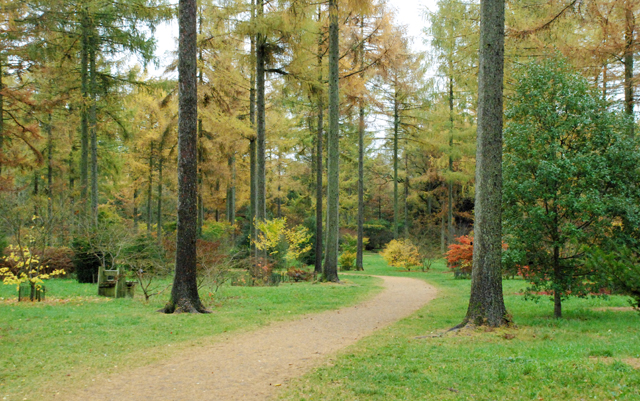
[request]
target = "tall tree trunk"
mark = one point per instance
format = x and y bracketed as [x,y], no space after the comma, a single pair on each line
[93,129]
[84,119]
[557,278]
[135,209]
[184,293]
[252,141]
[50,167]
[261,189]
[361,129]
[406,192]
[319,156]
[628,62]
[330,268]
[360,244]
[159,211]
[443,236]
[396,126]
[200,184]
[200,157]
[604,80]
[252,193]
[450,189]
[231,199]
[150,189]
[486,304]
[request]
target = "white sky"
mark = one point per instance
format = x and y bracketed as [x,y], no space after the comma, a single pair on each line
[409,13]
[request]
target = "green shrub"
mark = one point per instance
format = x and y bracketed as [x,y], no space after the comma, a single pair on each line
[215,230]
[379,234]
[86,263]
[3,244]
[347,260]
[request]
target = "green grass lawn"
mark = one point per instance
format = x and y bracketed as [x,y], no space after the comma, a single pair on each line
[66,340]
[584,356]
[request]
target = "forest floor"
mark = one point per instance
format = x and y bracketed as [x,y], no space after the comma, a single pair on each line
[253,365]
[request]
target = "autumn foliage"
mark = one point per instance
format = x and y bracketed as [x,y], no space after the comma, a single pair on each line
[460,255]
[401,253]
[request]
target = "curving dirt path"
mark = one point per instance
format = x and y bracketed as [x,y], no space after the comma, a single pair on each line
[251,366]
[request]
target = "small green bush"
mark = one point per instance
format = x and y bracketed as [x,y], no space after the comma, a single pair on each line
[86,263]
[215,230]
[347,260]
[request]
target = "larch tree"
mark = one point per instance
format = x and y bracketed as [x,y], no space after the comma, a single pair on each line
[330,267]
[486,304]
[184,293]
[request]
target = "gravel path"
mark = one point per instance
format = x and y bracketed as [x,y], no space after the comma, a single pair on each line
[252,366]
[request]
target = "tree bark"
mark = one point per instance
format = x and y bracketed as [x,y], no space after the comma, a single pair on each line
[184,293]
[628,63]
[252,141]
[93,129]
[150,189]
[135,209]
[261,190]
[319,157]
[396,126]
[159,212]
[231,199]
[557,295]
[84,119]
[330,268]
[50,167]
[450,189]
[200,136]
[406,191]
[361,129]
[486,304]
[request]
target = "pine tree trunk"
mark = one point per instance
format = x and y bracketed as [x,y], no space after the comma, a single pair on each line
[200,158]
[135,209]
[252,194]
[406,192]
[261,190]
[231,199]
[450,211]
[200,182]
[330,268]
[252,141]
[486,304]
[159,212]
[361,129]
[628,63]
[184,293]
[93,129]
[50,167]
[443,239]
[396,125]
[360,246]
[319,157]
[150,189]
[84,119]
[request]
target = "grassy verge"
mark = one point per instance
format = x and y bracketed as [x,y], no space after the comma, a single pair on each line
[64,342]
[590,354]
